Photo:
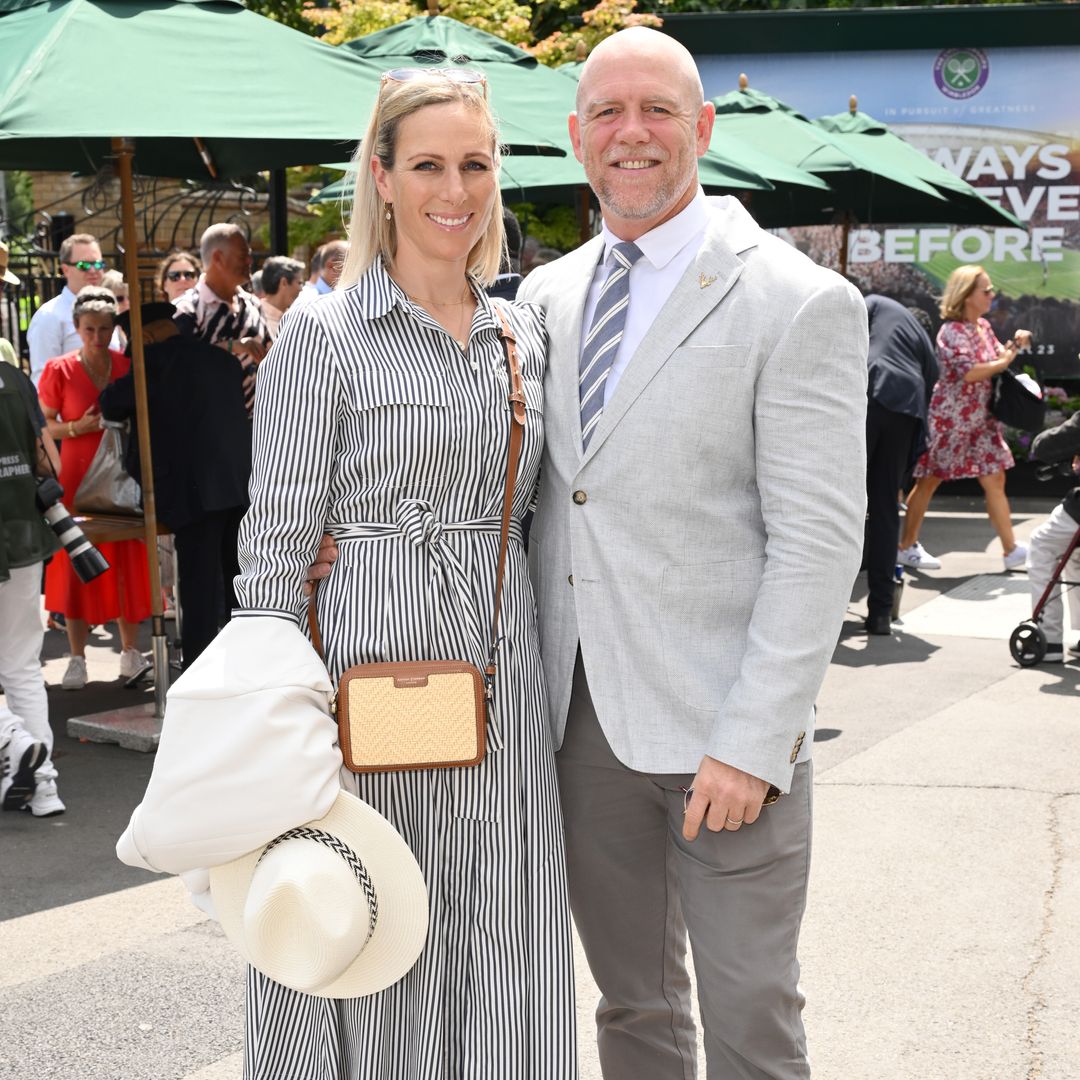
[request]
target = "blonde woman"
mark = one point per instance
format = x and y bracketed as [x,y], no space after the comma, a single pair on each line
[382,418]
[965,439]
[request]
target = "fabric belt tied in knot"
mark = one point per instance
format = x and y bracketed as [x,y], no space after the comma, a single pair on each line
[417,521]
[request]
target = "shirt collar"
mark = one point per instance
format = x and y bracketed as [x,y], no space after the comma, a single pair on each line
[662,244]
[66,297]
[321,287]
[379,293]
[206,294]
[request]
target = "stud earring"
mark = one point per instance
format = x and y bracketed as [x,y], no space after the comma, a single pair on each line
[388,214]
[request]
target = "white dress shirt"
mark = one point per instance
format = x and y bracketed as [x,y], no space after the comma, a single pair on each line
[51,332]
[666,252]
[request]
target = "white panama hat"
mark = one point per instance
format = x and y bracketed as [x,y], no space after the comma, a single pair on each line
[335,908]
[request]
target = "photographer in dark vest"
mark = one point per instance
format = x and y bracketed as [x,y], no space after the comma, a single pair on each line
[27,774]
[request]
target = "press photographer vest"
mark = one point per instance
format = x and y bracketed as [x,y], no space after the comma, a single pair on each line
[25,538]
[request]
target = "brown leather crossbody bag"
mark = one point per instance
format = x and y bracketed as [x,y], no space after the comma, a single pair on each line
[428,714]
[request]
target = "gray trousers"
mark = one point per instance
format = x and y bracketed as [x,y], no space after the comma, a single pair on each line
[638,889]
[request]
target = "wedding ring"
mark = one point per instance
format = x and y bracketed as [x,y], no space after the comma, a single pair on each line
[732,821]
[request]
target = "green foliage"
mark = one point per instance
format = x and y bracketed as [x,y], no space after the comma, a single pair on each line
[351,19]
[663,7]
[504,18]
[289,12]
[553,226]
[597,23]
[19,188]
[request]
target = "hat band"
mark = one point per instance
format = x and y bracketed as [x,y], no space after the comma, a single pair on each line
[346,852]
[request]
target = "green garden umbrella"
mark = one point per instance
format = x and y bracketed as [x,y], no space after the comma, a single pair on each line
[860,133]
[202,85]
[863,187]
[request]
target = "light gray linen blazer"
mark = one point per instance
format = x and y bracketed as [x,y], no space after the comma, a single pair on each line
[702,550]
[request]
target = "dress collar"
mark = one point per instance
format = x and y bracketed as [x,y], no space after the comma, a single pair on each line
[379,294]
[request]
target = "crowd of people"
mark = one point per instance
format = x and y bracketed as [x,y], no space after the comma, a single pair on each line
[356,430]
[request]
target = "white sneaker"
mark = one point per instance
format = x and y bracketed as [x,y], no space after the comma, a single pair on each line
[1075,649]
[75,676]
[917,557]
[1054,654]
[131,663]
[1016,558]
[23,755]
[45,802]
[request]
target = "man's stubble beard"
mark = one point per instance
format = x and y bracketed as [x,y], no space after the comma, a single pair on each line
[666,195]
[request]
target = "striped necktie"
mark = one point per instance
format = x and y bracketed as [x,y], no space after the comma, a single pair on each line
[605,333]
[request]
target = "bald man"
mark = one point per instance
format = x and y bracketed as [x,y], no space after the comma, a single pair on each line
[699,525]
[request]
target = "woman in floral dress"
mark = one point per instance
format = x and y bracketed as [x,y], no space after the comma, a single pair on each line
[965,439]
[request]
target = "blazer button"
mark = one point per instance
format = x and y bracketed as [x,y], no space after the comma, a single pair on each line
[571,579]
[580,498]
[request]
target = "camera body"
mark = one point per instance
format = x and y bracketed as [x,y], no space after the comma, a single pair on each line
[87,562]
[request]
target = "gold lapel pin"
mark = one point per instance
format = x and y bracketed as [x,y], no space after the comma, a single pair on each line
[705,280]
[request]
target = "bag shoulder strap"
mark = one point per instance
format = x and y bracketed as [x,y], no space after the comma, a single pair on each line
[517,433]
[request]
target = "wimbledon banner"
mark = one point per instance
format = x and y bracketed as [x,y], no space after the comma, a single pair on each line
[1008,122]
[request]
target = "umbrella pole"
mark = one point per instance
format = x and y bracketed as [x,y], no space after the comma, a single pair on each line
[844,231]
[124,149]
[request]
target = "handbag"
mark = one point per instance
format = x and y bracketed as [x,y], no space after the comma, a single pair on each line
[427,714]
[1014,404]
[107,487]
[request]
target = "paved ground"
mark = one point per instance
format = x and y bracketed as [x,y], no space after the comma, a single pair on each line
[943,933]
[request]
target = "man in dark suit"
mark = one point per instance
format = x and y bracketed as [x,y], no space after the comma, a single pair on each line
[903,368]
[200,439]
[508,279]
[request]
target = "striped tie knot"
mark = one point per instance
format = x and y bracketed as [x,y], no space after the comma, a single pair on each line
[605,333]
[626,253]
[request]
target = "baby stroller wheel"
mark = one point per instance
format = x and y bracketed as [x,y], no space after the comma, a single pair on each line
[1027,643]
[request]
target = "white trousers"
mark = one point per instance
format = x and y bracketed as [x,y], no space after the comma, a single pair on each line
[21,638]
[1045,548]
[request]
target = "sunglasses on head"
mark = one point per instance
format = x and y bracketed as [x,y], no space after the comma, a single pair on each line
[465,76]
[88,264]
[181,275]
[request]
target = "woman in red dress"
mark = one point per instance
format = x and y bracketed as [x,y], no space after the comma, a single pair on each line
[69,391]
[965,438]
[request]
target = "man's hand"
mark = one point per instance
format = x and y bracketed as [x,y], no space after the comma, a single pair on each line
[1022,339]
[251,347]
[323,564]
[248,348]
[724,798]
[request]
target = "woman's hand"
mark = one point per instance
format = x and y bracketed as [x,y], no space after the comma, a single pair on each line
[88,422]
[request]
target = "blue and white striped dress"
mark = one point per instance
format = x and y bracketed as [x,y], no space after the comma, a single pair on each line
[371,423]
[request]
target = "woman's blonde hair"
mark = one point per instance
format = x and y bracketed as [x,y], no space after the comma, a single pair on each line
[370,233]
[961,284]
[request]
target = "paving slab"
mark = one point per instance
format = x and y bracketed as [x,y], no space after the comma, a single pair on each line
[920,932]
[133,728]
[1020,732]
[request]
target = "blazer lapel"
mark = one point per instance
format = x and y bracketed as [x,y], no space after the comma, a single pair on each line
[706,282]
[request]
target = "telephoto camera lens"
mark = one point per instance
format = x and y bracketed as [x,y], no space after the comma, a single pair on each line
[86,560]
